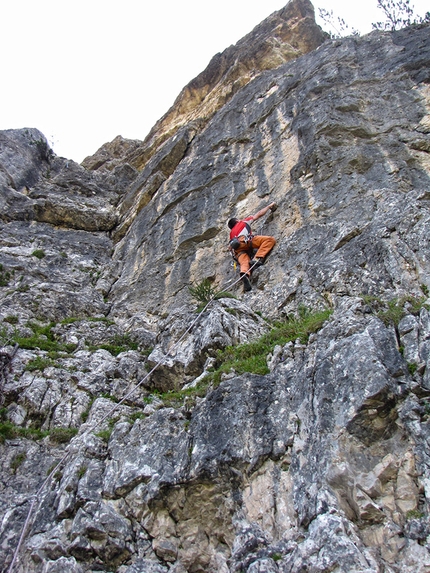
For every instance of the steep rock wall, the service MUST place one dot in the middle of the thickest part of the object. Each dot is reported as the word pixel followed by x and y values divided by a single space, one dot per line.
pixel 338 139
pixel 283 36
pixel 321 465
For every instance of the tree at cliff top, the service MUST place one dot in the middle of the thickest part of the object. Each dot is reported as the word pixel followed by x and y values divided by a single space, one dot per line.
pixel 398 14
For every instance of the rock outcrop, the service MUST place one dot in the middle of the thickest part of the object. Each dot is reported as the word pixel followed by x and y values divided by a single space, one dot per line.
pixel 283 36
pixel 132 438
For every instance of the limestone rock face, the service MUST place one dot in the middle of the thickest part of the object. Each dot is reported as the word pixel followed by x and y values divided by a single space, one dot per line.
pixel 142 448
pixel 282 37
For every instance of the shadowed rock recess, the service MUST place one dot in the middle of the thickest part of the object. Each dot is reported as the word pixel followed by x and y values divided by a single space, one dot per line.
pixel 315 456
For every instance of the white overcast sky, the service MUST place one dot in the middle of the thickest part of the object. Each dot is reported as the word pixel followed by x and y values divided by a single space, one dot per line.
pixel 83 72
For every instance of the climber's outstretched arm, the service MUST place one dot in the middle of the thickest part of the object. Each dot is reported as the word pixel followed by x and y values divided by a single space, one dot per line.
pixel 263 211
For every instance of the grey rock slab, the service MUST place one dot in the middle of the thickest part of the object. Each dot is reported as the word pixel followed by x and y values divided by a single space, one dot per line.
pixel 154 451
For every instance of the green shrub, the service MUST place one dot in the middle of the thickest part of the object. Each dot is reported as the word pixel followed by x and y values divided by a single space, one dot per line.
pixel 38 253
pixel 414 514
pixel 11 319
pixel 40 363
pixel 104 435
pixel 4 276
pixel 412 367
pixel 17 461
pixel 42 338
pixel 204 292
pixel 119 343
pixel 9 431
pixel 391 312
pixel 62 435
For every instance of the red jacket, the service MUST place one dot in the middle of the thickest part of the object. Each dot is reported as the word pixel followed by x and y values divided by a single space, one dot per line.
pixel 242 228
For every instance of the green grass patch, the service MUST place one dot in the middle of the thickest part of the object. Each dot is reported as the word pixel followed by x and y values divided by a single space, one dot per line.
pixel 86 413
pixel 82 471
pixel 414 514
pixel 412 367
pixel 109 397
pixel 175 398
pixel 40 363
pixel 120 343
pixel 391 312
pixel 252 357
pixel 5 276
pixel 104 319
pixel 42 338
pixel 62 435
pixel 39 254
pixel 17 461
pixel 72 319
pixel 105 435
pixel 136 416
pixel 11 319
pixel 8 431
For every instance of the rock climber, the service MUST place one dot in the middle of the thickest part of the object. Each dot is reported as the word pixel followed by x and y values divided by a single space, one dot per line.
pixel 243 242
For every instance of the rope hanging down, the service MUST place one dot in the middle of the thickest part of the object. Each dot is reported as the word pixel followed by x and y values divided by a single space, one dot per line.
pixel 105 417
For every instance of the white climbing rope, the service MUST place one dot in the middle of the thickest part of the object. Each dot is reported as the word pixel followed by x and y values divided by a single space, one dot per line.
pixel 98 423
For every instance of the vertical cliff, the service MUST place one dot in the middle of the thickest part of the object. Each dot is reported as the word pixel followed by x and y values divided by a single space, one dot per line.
pixel 284 430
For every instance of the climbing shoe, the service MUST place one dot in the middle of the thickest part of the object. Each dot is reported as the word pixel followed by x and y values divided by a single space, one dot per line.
pixel 255 263
pixel 246 284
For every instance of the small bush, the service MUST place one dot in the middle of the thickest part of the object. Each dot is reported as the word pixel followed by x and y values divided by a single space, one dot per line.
pixel 39 363
pixel 9 431
pixel 414 514
pixel 4 276
pixel 204 292
pixel 391 312
pixel 17 461
pixel 412 367
pixel 398 14
pixel 62 435
pixel 120 343
pixel 104 435
pixel 11 319
pixel 38 253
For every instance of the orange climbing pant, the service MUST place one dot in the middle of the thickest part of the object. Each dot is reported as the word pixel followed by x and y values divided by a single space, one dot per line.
pixel 263 243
